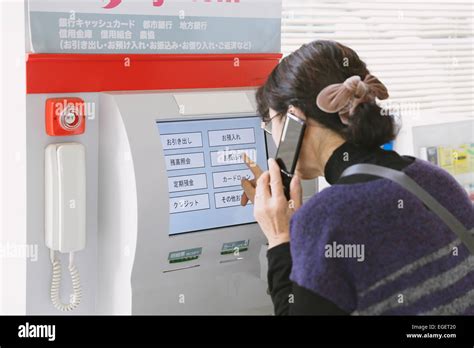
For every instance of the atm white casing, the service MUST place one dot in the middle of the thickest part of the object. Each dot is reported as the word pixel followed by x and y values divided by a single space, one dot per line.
pixel 135 276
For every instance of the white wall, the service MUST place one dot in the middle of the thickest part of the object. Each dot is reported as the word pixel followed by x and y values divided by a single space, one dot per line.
pixel 12 154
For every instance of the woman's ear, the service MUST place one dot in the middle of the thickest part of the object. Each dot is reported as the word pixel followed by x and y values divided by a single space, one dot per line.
pixel 300 114
pixel 297 112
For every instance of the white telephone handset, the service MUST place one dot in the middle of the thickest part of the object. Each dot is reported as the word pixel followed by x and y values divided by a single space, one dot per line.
pixel 65 213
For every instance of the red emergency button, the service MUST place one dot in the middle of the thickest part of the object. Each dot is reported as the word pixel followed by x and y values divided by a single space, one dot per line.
pixel 65 116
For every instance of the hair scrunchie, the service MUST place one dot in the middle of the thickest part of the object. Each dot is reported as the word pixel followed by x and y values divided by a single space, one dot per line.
pixel 345 97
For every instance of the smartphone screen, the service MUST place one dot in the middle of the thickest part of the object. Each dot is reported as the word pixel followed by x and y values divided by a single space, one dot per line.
pixel 289 148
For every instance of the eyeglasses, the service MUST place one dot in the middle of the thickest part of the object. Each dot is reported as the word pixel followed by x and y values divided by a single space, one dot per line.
pixel 267 125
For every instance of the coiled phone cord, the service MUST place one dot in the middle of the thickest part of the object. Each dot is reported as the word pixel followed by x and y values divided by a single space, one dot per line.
pixel 56 284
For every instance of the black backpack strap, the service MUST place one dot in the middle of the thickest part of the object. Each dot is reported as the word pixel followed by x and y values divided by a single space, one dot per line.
pixel 466 236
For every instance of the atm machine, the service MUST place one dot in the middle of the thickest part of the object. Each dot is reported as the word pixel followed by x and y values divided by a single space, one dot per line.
pixel 173 237
pixel 133 156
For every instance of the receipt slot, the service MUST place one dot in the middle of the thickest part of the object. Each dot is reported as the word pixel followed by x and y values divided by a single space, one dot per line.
pixel 173 237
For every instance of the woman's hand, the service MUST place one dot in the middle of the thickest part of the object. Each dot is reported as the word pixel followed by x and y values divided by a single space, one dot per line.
pixel 271 209
pixel 249 185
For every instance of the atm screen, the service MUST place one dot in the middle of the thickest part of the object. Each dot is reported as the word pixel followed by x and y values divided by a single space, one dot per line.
pixel 205 166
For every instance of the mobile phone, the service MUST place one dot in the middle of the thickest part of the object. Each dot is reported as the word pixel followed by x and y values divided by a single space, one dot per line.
pixel 289 149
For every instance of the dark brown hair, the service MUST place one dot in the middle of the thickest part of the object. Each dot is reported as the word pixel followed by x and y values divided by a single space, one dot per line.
pixel 299 78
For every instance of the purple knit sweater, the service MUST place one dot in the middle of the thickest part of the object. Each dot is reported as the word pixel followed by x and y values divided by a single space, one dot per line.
pixel 412 263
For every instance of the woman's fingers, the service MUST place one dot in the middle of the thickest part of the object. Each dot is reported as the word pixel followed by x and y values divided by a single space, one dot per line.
pixel 249 185
pixel 262 191
pixel 296 192
pixel 256 170
pixel 244 198
pixel 275 179
pixel 249 191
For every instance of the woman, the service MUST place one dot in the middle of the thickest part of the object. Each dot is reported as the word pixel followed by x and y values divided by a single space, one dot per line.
pixel 364 245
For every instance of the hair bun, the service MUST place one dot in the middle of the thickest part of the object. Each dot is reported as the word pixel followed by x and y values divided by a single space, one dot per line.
pixel 370 127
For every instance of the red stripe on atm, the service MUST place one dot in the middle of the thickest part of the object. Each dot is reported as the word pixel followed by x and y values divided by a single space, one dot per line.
pixel 73 73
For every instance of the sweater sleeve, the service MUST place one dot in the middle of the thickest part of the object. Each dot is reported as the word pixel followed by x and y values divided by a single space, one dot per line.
pixel 289 298
pixel 314 229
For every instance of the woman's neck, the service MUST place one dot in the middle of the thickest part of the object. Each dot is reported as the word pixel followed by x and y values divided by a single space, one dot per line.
pixel 324 146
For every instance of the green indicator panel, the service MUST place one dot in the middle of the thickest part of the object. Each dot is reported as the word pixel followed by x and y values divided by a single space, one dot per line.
pixel 232 247
pixel 184 255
